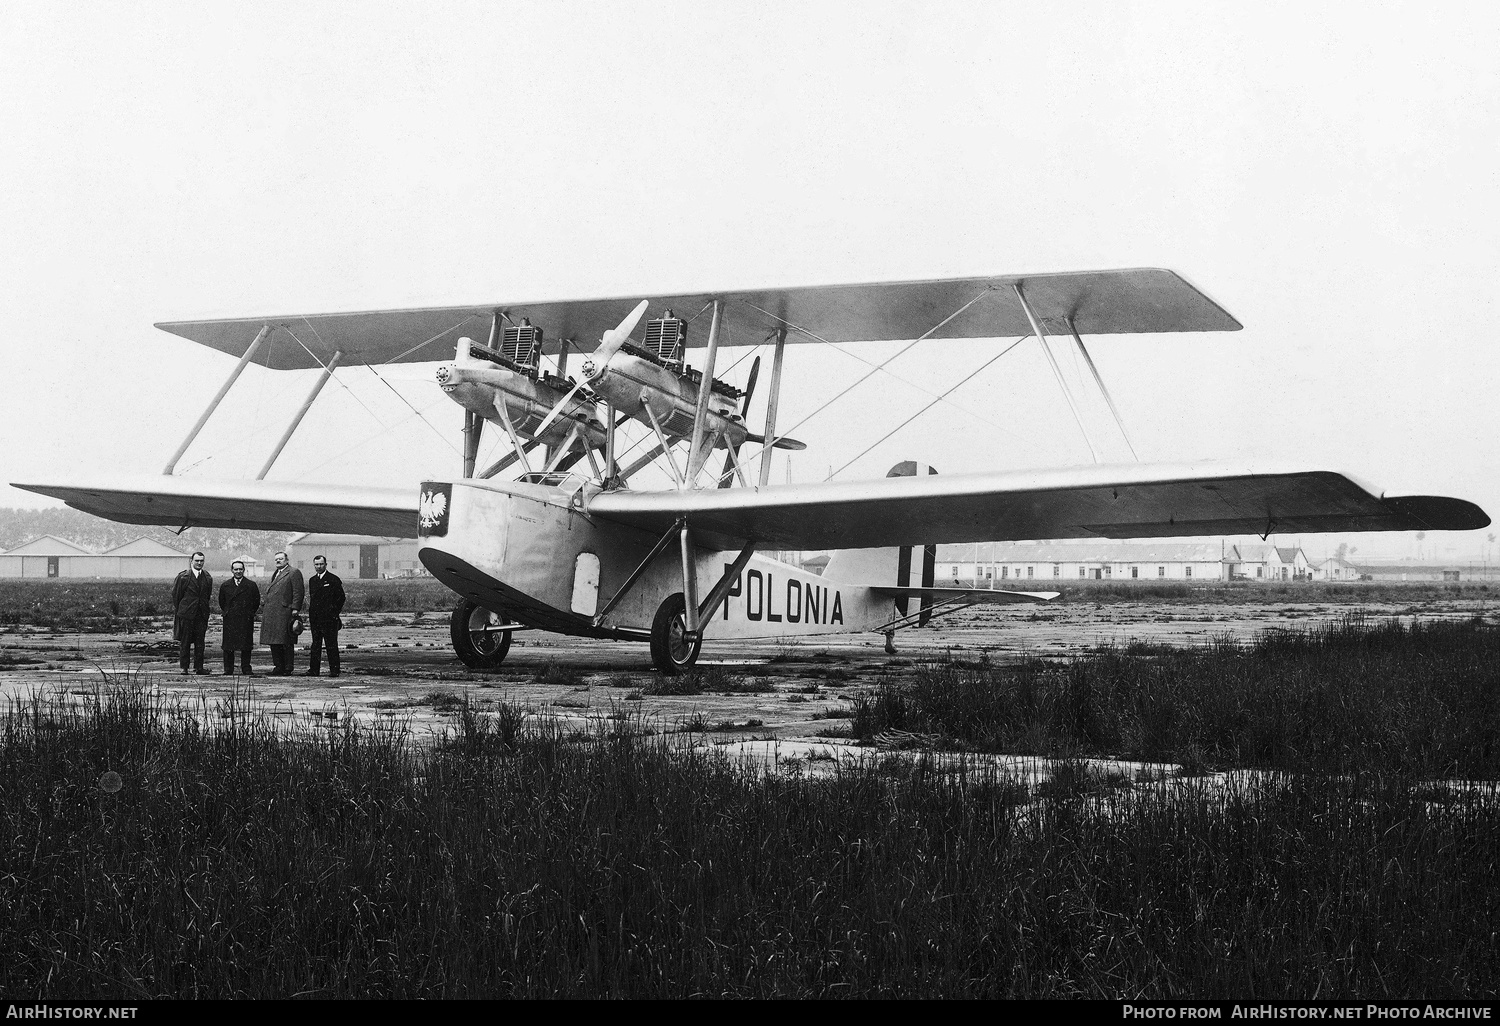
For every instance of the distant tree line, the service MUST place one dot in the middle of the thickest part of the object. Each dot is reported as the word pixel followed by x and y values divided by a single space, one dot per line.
pixel 18 526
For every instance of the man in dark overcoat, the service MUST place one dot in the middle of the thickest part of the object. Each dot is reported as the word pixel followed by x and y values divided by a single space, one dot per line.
pixel 239 598
pixel 192 597
pixel 325 600
pixel 283 599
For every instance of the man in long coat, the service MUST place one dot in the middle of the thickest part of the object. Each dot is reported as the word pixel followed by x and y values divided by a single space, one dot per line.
pixel 283 598
pixel 239 598
pixel 325 600
pixel 192 595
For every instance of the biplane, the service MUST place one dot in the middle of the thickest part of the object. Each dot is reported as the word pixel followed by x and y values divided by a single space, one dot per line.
pixel 554 537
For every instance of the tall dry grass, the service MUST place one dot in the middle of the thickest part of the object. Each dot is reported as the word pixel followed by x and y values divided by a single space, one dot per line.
pixel 238 860
pixel 1350 697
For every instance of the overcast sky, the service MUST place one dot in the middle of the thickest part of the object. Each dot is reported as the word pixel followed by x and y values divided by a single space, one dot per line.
pixel 1326 173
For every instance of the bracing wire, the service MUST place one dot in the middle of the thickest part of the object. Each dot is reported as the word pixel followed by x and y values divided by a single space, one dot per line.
pixel 769 443
pixel 434 338
pixel 353 395
pixel 837 347
pixel 929 406
pixel 252 435
pixel 366 441
pixel 409 406
pixel 338 380
pixel 387 384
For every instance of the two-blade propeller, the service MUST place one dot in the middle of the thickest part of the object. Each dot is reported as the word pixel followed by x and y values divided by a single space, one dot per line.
pixel 750 388
pixel 594 366
pixel 782 442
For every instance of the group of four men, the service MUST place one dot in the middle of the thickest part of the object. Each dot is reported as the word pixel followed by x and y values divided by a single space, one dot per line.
pixel 280 615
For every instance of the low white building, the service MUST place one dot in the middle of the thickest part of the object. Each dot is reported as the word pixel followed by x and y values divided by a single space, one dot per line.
pixel 1015 564
pixel 50 556
pixel 358 556
pixel 1269 563
pixel 1335 569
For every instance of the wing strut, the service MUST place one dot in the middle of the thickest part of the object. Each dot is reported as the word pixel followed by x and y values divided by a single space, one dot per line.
pixel 473 422
pixel 473 429
pixel 698 453
pixel 772 402
pixel 507 460
pixel 1119 422
pixel 517 449
pixel 689 582
pixel 609 444
pixel 1036 327
pixel 214 405
pixel 635 575
pixel 646 460
pixel 664 445
pixel 301 412
pixel 717 594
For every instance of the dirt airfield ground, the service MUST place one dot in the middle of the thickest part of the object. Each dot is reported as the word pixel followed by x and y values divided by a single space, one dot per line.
pixel 399 668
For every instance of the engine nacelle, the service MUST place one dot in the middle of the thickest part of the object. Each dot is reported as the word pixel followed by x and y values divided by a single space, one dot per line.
pixel 479 386
pixel 631 383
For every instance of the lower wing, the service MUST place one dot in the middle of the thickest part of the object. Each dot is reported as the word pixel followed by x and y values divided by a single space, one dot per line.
pixel 1132 501
pixel 1129 501
pixel 251 505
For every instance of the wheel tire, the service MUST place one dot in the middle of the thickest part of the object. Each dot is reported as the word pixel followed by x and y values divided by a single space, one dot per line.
pixel 671 650
pixel 477 647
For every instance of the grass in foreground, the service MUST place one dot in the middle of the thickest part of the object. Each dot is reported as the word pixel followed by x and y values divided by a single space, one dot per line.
pixel 513 860
pixel 68 604
pixel 1350 697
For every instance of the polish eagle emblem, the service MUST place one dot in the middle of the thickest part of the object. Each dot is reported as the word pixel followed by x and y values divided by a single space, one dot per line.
pixel 431 509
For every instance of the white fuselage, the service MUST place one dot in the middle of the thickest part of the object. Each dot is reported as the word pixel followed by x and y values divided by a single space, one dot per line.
pixel 535 552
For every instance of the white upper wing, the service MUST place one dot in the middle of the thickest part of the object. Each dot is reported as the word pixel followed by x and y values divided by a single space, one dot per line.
pixel 1131 301
pixel 1130 501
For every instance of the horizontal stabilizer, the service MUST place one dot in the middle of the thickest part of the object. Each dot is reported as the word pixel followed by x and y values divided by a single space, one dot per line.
pixel 976 596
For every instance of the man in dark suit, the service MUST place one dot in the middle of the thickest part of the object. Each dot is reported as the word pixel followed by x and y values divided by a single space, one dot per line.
pixel 239 598
pixel 283 602
pixel 192 595
pixel 325 600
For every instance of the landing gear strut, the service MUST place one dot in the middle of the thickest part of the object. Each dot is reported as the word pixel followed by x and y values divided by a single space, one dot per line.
pixel 673 649
pixel 479 645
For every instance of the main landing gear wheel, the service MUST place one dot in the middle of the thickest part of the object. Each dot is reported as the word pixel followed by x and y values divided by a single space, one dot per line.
pixel 673 649
pixel 478 644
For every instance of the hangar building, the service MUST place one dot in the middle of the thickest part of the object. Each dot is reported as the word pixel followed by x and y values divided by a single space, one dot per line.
pixel 354 555
pixel 50 556
pixel 1012 564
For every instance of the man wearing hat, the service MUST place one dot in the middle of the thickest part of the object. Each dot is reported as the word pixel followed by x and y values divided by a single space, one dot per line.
pixel 283 602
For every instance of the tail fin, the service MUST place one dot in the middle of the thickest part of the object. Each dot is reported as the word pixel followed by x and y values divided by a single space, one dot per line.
pixel 889 566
